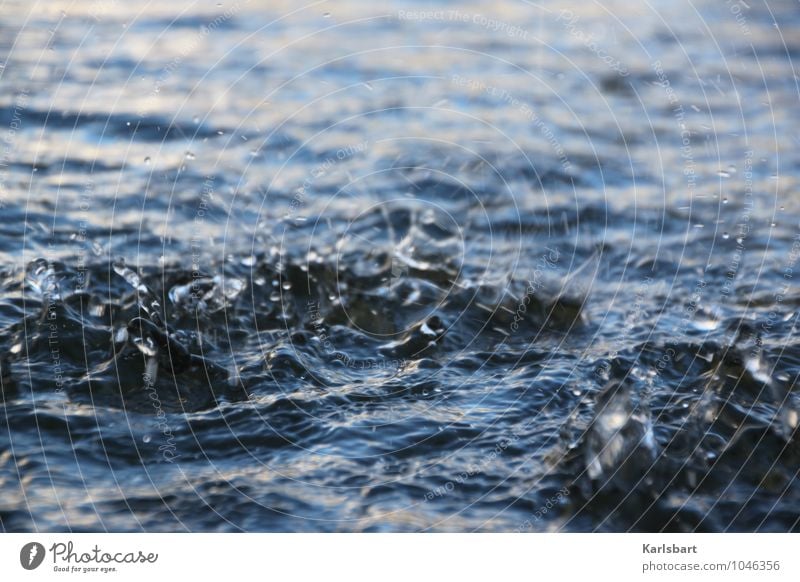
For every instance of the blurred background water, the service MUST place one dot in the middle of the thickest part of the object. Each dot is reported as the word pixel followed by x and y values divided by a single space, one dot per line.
pixel 350 266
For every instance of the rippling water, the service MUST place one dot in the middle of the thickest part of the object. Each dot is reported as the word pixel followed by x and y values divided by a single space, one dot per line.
pixel 392 267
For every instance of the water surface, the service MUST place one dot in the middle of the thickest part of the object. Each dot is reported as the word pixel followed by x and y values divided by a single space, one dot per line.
pixel 353 266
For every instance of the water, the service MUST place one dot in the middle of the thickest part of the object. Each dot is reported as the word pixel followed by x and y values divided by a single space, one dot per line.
pixel 364 267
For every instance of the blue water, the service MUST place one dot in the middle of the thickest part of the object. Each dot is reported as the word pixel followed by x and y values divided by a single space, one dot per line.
pixel 367 266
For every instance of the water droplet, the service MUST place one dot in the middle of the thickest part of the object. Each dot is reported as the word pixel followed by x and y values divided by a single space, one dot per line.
pixel 146 438
pixel 286 286
pixel 326 15
pixel 707 323
pixel 725 200
pixel 726 236
pixel 146 346
pixel 190 155
pixel 147 160
pixel 196 119
pixel 220 132
pixel 121 335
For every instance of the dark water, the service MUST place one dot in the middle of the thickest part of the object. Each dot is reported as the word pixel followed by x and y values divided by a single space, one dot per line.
pixel 368 267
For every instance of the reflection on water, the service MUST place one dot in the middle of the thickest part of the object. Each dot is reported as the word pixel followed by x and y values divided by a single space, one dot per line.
pixel 387 267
